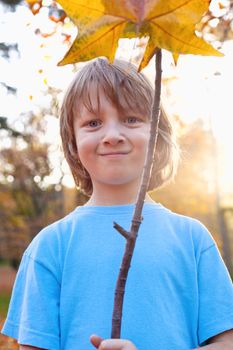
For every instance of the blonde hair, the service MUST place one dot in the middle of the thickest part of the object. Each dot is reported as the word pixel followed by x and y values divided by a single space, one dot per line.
pixel 126 89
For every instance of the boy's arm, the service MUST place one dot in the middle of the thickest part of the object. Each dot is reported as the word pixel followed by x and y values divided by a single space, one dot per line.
pixel 222 341
pixel 28 347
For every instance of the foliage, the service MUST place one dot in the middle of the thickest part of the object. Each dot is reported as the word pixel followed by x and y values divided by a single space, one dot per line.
pixel 217 20
pixel 169 25
pixel 4 302
pixel 11 4
pixel 27 202
pixel 7 343
pixel 6 49
pixel 194 191
pixel 218 24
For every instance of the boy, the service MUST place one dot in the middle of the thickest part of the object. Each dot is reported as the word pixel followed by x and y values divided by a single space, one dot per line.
pixel 178 293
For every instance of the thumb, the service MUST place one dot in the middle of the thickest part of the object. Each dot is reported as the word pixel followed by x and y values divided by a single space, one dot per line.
pixel 95 340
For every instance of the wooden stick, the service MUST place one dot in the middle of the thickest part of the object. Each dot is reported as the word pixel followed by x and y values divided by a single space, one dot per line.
pixel 137 218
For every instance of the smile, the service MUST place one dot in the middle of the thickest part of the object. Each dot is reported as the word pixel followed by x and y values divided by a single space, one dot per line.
pixel 114 154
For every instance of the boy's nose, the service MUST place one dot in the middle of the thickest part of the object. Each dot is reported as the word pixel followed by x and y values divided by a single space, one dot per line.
pixel 113 135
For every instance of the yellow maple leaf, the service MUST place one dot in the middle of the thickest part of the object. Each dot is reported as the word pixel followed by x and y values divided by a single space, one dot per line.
pixel 169 25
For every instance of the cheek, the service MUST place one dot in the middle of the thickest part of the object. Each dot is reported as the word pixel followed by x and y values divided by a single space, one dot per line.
pixel 86 147
pixel 142 146
pixel 143 140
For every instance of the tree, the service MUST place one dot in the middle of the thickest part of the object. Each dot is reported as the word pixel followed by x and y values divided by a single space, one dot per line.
pixel 217 23
pixel 195 191
pixel 7 49
pixel 28 202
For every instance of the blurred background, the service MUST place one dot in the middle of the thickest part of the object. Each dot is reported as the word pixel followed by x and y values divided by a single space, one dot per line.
pixel 36 187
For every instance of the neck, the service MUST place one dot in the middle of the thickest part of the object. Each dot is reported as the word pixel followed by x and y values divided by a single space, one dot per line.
pixel 117 196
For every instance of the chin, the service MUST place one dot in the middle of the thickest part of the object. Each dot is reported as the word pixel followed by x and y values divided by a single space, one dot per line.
pixel 121 182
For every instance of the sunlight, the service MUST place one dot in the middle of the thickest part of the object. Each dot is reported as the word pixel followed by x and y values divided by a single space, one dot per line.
pixel 200 88
pixel 197 88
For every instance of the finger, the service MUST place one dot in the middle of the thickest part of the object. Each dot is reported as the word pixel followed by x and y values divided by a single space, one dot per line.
pixel 95 340
pixel 116 344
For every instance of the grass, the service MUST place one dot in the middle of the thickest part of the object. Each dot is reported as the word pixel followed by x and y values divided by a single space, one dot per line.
pixel 6 343
pixel 4 263
pixel 4 302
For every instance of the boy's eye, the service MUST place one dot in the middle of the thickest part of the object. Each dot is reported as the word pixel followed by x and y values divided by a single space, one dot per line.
pixel 94 123
pixel 131 120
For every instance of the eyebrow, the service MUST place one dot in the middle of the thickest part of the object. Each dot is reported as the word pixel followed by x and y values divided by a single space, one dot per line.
pixel 136 112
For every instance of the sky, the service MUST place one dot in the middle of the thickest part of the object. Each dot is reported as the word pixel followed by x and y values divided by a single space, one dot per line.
pixel 199 87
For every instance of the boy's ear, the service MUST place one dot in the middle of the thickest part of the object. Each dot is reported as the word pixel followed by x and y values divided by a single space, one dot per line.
pixel 73 150
pixel 70 146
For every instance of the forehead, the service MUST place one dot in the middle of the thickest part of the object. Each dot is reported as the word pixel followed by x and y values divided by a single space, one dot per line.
pixel 99 102
pixel 123 95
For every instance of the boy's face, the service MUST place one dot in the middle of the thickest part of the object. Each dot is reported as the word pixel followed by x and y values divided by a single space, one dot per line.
pixel 111 144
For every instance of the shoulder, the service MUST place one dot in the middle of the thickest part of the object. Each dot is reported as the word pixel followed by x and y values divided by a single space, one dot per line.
pixel 49 246
pixel 198 231
pixel 186 228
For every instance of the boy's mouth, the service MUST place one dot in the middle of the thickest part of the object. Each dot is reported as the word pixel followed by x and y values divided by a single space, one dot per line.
pixel 113 153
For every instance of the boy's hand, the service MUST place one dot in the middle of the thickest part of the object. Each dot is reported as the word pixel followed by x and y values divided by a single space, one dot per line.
pixel 111 344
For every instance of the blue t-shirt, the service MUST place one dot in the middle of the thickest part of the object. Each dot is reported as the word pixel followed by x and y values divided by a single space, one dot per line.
pixel 178 292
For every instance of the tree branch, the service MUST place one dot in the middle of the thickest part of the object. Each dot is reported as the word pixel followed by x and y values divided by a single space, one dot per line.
pixel 137 218
pixel 121 230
